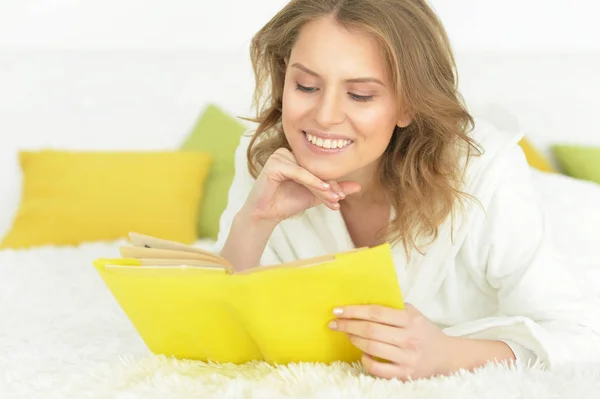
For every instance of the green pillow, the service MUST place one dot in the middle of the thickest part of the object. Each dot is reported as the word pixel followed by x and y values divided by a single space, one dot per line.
pixel 217 133
pixel 581 162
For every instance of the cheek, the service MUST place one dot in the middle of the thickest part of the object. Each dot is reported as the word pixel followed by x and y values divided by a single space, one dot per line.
pixel 375 123
pixel 296 104
pixel 291 108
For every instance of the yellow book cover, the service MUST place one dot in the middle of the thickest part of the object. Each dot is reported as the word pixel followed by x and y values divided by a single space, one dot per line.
pixel 190 304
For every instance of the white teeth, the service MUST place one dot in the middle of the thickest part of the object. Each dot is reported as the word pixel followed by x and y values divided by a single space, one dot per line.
pixel 327 143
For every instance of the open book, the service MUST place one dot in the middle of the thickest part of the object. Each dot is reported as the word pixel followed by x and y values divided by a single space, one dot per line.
pixel 189 303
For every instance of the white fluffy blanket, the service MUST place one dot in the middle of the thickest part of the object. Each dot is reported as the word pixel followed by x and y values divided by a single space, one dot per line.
pixel 62 335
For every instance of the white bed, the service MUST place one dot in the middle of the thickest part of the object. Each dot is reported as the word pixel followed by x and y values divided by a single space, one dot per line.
pixel 62 335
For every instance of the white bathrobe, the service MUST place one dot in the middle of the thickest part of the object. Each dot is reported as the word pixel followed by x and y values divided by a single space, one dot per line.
pixel 499 279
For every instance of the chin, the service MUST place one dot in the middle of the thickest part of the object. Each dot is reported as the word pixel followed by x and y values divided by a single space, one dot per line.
pixel 324 169
pixel 326 173
pixel 325 164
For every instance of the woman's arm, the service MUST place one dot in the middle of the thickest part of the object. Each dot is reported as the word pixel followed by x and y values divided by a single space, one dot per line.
pixel 242 240
pixel 246 242
pixel 541 306
pixel 412 345
pixel 469 353
pixel 283 189
pixel 542 314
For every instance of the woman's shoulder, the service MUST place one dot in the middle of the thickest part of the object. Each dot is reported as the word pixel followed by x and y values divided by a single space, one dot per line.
pixel 241 159
pixel 497 152
pixel 241 152
pixel 492 140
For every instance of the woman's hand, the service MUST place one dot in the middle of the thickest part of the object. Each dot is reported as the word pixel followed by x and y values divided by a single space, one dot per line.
pixel 284 189
pixel 412 344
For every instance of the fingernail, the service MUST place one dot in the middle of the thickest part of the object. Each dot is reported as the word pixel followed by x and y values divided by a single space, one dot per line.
pixel 333 325
pixel 341 195
pixel 326 185
pixel 336 195
pixel 338 311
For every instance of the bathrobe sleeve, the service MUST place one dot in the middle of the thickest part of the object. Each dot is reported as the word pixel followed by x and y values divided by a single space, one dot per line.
pixel 238 193
pixel 543 313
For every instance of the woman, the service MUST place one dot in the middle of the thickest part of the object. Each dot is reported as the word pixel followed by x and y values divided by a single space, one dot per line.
pixel 362 138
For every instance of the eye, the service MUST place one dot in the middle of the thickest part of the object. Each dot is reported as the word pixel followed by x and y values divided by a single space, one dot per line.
pixel 304 88
pixel 360 98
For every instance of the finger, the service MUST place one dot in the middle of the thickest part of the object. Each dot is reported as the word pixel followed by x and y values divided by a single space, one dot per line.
pixel 382 369
pixel 291 171
pixel 333 205
pixel 410 308
pixel 302 176
pixel 327 197
pixel 330 204
pixel 349 187
pixel 376 313
pixel 369 330
pixel 286 166
pixel 341 189
pixel 380 349
pixel 337 190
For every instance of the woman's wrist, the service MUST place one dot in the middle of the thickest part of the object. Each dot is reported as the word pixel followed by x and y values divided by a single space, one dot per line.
pixel 247 240
pixel 468 353
pixel 258 229
pixel 248 219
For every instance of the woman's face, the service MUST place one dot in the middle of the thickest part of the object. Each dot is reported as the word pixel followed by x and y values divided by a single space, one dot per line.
pixel 339 111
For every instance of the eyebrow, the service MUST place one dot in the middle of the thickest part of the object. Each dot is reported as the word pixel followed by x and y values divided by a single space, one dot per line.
pixel 354 80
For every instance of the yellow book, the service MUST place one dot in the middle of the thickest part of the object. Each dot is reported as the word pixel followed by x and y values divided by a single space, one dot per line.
pixel 190 304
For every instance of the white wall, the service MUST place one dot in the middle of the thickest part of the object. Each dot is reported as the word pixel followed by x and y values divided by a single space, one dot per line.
pixel 522 25
pixel 134 74
pixel 515 25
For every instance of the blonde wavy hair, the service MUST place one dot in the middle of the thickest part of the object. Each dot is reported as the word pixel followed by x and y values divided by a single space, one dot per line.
pixel 420 168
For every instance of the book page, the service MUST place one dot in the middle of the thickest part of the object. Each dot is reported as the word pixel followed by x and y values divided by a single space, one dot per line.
pixel 144 241
pixel 319 260
pixel 141 240
pixel 156 253
pixel 179 262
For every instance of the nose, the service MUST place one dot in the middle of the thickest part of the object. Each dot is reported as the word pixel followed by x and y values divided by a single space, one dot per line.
pixel 329 110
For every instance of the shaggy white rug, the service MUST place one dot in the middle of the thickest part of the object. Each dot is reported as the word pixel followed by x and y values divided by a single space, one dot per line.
pixel 62 335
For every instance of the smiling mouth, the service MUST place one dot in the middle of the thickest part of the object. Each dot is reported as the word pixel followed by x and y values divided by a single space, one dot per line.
pixel 327 144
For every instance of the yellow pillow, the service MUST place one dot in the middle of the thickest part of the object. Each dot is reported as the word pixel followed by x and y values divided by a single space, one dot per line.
pixel 535 158
pixel 74 197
